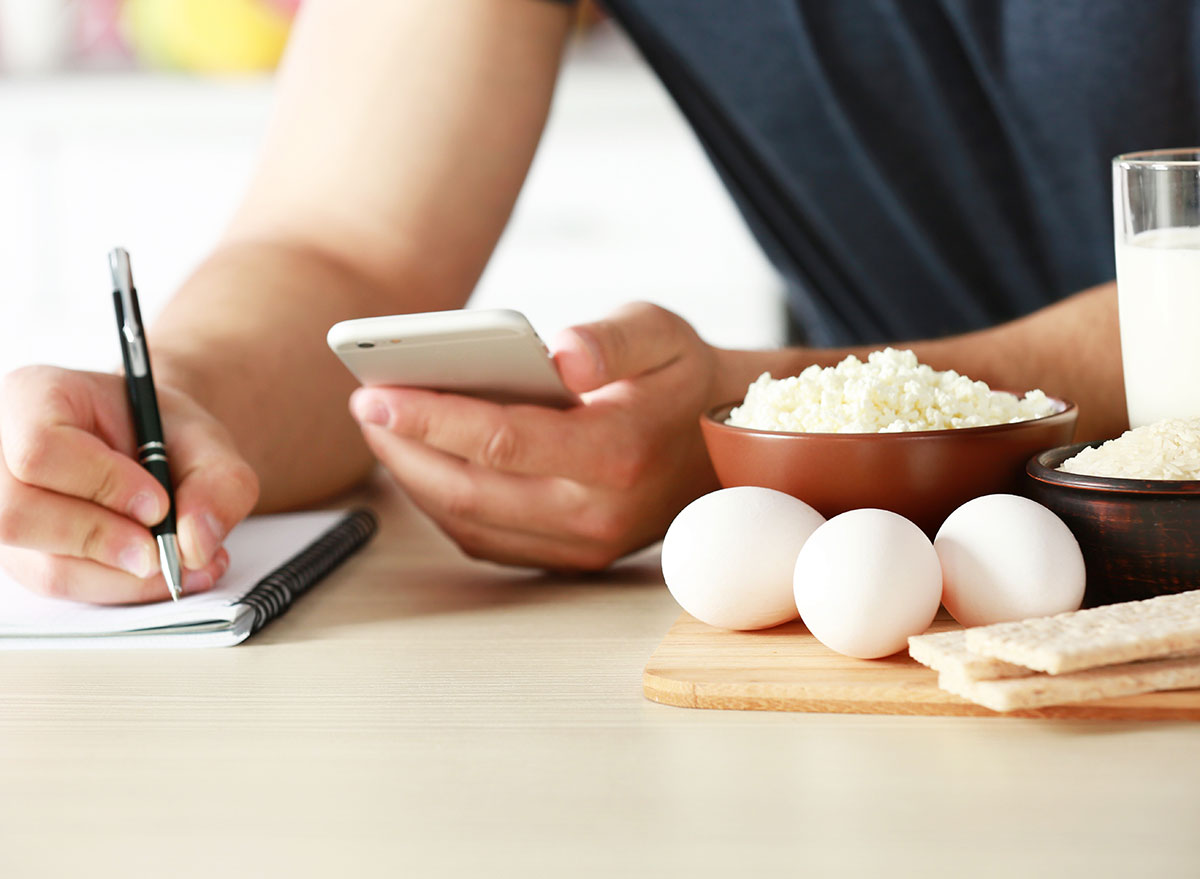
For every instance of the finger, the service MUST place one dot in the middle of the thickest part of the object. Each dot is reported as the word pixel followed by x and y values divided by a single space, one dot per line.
pixel 509 520
pixel 214 490
pixel 506 547
pixel 584 444
pixel 459 490
pixel 87 581
pixel 37 519
pixel 637 338
pixel 50 452
pixel 93 401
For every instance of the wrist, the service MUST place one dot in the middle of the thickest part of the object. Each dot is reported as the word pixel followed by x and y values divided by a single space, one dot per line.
pixel 736 369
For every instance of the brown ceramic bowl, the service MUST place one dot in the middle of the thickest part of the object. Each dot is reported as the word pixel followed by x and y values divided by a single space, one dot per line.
pixel 922 475
pixel 1140 537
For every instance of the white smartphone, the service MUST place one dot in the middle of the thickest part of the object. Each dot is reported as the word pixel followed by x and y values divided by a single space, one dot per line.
pixel 490 353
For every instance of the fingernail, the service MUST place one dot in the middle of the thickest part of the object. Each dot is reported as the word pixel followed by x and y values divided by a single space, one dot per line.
pixel 197 581
pixel 137 560
pixel 144 508
pixel 369 411
pixel 592 347
pixel 204 536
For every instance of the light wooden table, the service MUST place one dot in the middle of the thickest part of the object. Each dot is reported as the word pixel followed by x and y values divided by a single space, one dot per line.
pixel 419 714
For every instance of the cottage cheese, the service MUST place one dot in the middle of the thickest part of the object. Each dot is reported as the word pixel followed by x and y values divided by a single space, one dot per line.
pixel 1167 449
pixel 892 392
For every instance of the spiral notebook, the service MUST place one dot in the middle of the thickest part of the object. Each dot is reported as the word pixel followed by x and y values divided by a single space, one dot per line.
pixel 273 561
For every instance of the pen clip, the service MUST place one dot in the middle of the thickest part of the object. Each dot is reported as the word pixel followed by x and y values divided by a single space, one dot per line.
pixel 131 330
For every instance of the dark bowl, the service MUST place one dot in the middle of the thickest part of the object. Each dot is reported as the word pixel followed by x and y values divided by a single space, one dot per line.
pixel 922 475
pixel 1140 537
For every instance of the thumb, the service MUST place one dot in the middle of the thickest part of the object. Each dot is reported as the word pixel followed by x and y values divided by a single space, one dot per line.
pixel 215 489
pixel 636 339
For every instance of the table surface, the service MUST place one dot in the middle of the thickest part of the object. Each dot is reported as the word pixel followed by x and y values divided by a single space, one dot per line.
pixel 422 714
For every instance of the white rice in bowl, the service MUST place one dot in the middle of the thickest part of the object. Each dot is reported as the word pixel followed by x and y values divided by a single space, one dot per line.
pixel 1167 449
pixel 890 393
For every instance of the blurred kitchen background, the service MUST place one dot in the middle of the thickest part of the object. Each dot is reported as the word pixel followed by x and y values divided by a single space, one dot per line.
pixel 136 122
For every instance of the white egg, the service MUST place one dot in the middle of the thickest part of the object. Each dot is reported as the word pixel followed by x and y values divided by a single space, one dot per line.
pixel 1006 558
pixel 728 556
pixel 865 581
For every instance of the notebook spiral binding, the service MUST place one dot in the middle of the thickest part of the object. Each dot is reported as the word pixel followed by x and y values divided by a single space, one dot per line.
pixel 272 595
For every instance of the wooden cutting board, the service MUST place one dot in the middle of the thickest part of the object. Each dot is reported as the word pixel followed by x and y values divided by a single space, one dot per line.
pixel 787 669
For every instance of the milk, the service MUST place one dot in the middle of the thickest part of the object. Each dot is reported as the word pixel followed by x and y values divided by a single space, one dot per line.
pixel 1158 288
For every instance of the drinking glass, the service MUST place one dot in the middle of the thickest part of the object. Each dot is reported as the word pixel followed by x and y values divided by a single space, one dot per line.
pixel 1156 212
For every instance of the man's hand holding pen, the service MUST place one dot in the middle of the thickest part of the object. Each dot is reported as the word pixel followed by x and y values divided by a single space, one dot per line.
pixel 76 508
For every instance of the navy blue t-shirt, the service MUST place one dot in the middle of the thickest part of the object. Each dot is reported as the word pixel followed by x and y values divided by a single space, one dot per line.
pixel 918 168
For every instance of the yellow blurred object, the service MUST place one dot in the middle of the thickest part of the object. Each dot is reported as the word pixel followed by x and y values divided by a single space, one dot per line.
pixel 206 36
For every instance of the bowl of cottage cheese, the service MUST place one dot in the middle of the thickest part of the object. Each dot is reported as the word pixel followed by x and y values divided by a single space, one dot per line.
pixel 888 432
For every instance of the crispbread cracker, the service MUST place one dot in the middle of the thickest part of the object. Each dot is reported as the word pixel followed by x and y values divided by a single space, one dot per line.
pixel 947 652
pixel 1036 691
pixel 1108 635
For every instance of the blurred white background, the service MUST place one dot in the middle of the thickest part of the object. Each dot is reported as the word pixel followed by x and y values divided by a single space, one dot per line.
pixel 621 204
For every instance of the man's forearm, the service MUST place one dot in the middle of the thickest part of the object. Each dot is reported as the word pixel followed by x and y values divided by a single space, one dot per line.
pixel 398 143
pixel 245 337
pixel 1070 349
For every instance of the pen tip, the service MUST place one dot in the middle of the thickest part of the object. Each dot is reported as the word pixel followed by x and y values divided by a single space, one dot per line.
pixel 168 556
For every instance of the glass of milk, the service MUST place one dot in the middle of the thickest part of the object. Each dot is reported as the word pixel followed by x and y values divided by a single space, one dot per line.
pixel 1156 211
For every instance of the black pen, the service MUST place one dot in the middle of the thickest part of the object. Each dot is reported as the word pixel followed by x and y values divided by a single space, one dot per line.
pixel 152 450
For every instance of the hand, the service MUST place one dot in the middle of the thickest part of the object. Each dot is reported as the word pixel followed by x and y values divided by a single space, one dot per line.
pixel 574 489
pixel 76 508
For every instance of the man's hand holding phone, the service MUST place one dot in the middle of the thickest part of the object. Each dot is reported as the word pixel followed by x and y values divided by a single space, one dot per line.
pixel 571 489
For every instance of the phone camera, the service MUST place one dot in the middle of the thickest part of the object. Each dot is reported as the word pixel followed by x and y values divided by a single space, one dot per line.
pixel 365 344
